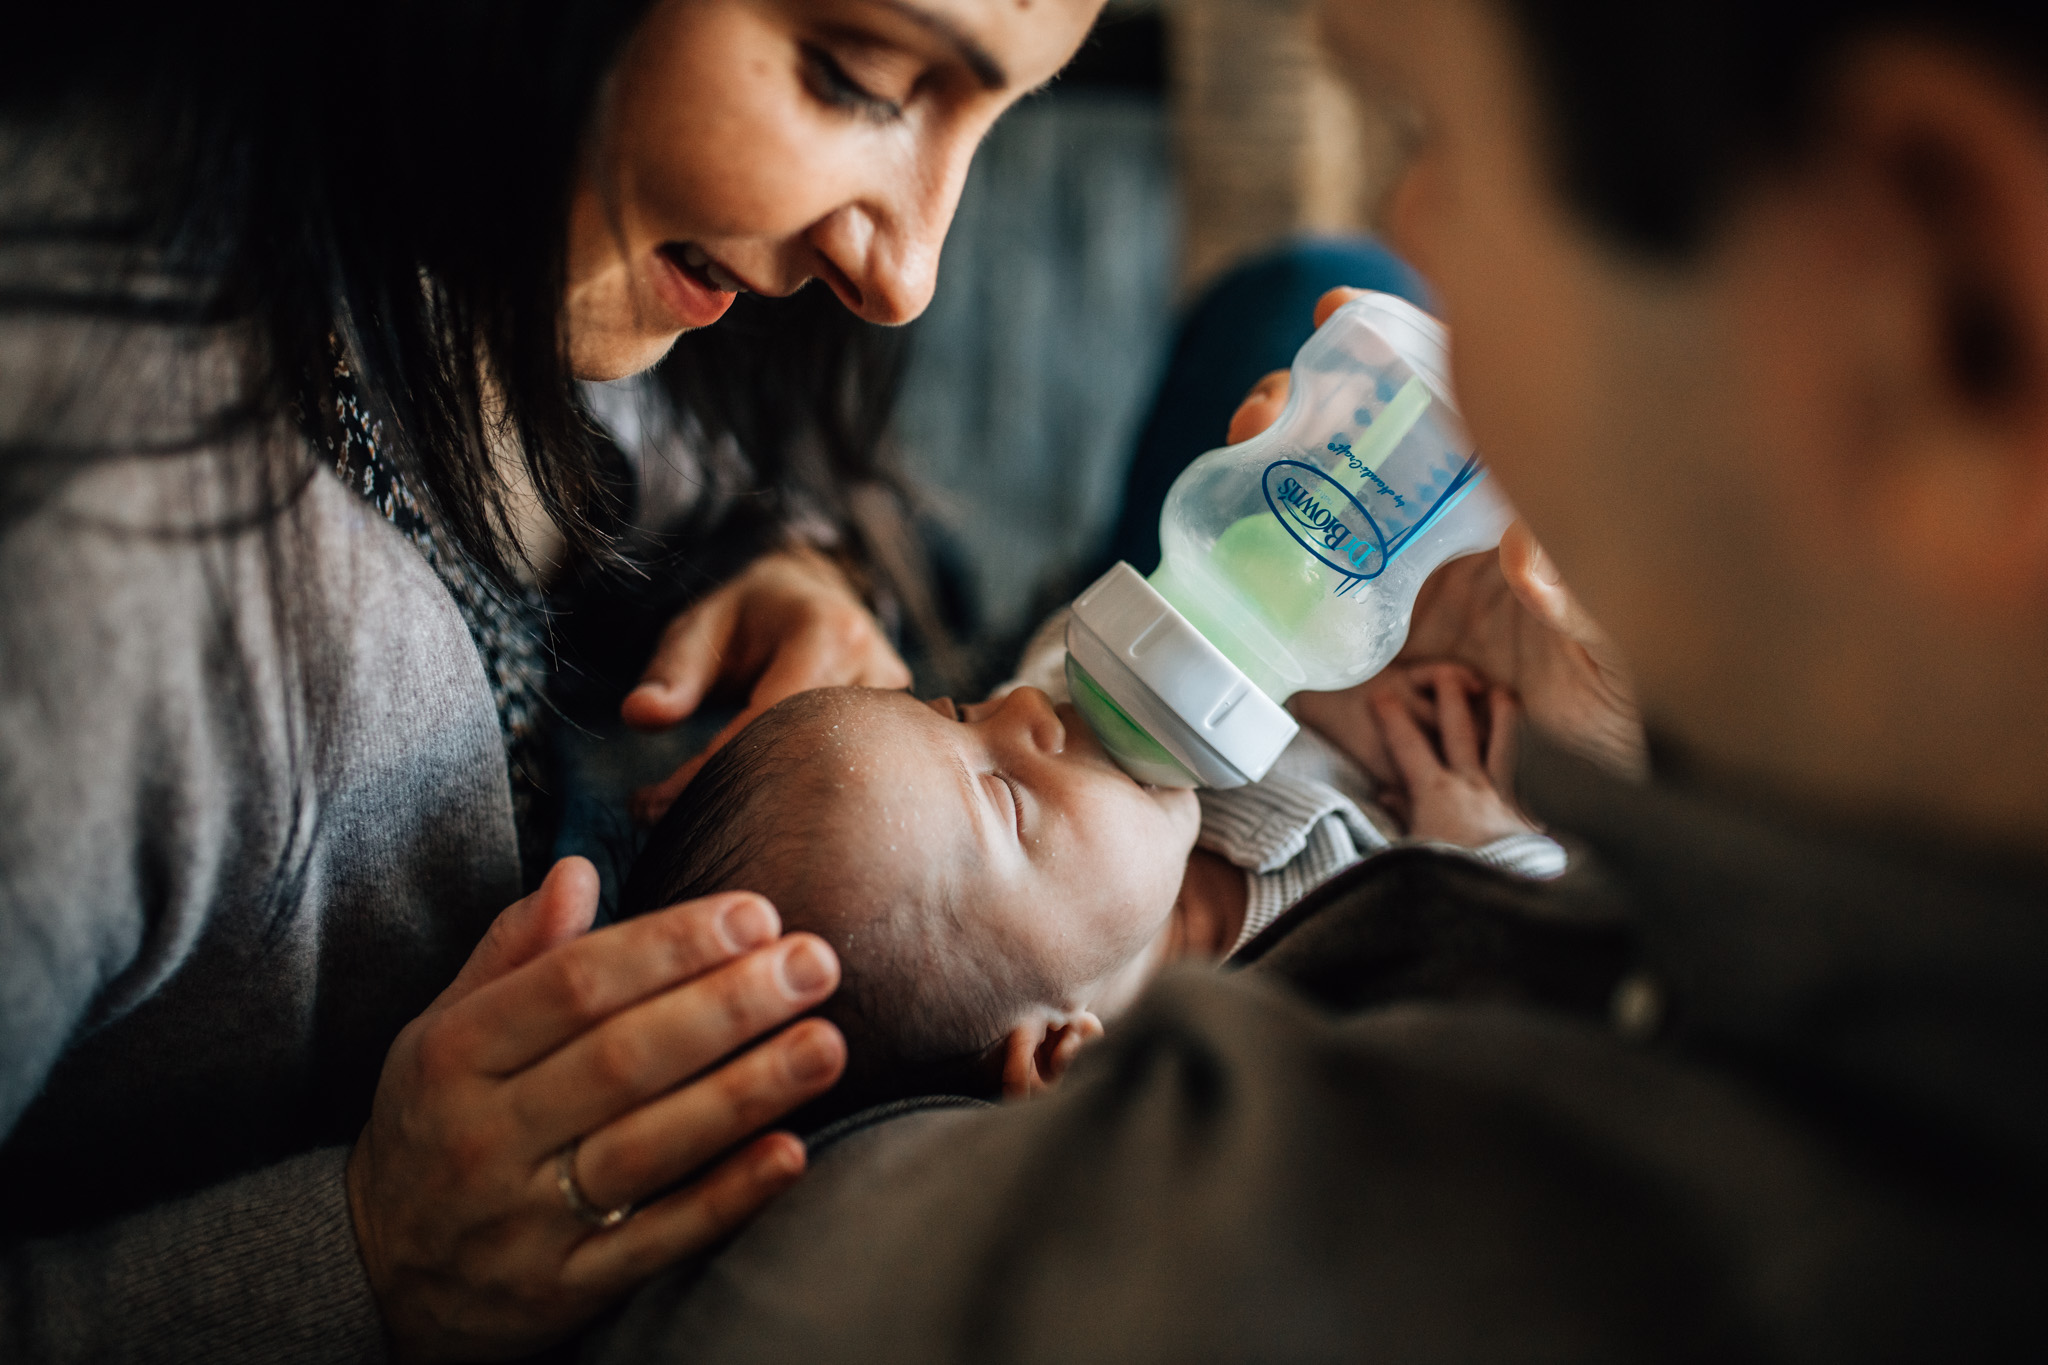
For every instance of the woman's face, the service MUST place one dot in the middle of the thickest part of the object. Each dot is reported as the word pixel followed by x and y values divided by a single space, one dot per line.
pixel 759 144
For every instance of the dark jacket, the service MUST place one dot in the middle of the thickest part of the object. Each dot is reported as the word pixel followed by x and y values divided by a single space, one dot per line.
pixel 1740 1088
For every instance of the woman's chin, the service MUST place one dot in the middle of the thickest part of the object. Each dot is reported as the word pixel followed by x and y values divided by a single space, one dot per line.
pixel 602 355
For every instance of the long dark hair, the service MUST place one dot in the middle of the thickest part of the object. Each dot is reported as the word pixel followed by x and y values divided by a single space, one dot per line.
pixel 386 183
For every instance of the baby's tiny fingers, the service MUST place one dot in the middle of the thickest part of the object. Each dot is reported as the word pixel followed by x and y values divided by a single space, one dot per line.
pixel 1454 722
pixel 1442 676
pixel 1413 754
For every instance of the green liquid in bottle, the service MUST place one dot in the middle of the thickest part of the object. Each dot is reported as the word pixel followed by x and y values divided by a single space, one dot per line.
pixel 1270 570
pixel 1248 596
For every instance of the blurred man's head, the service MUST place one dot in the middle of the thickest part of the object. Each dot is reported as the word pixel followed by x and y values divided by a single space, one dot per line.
pixel 1751 316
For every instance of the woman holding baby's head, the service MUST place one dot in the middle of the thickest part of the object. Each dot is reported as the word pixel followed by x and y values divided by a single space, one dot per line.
pixel 263 730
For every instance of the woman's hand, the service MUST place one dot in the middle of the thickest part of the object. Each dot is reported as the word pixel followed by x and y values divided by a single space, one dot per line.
pixel 606 1046
pixel 790 622
pixel 1507 616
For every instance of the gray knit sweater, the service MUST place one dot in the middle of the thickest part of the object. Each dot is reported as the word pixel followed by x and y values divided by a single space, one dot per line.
pixel 245 835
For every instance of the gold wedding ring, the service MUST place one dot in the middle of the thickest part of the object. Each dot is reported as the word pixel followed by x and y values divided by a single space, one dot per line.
pixel 572 1193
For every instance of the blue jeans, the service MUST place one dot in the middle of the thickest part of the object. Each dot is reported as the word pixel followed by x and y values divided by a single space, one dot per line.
pixel 1247 324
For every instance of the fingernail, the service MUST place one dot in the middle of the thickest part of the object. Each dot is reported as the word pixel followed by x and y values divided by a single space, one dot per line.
pixel 747 924
pixel 807 968
pixel 814 1056
pixel 1542 569
pixel 785 1162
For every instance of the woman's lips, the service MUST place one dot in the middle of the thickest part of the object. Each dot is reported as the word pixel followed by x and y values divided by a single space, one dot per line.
pixel 697 260
pixel 695 289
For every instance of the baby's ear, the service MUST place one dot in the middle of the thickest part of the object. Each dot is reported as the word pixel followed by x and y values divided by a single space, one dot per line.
pixel 1039 1050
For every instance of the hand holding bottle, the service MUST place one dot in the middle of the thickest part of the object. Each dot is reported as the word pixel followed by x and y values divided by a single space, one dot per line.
pixel 1290 560
pixel 1509 617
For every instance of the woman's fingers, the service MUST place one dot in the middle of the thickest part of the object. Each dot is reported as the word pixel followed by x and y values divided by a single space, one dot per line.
pixel 453 1185
pixel 789 623
pixel 645 1050
pixel 651 802
pixel 791 616
pixel 560 909
pixel 523 1017
pixel 663 1141
pixel 824 654
pixel 843 648
pixel 608 1263
pixel 687 662
pixel 800 663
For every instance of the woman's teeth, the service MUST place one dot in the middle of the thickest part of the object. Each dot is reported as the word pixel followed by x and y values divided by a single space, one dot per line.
pixel 694 257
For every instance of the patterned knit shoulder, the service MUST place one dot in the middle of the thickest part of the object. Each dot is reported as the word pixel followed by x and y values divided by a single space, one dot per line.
pixel 509 627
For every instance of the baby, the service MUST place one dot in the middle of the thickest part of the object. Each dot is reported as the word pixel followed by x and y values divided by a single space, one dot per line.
pixel 997 888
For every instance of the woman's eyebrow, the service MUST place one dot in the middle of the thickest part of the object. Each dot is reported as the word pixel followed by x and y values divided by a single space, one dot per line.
pixel 986 68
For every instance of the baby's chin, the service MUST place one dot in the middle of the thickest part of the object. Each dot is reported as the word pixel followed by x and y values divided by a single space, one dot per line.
pixel 1182 806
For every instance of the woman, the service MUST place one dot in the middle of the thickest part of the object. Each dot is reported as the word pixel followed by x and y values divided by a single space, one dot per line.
pixel 293 303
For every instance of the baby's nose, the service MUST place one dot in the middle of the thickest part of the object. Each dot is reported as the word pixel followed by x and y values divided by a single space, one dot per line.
pixel 1032 712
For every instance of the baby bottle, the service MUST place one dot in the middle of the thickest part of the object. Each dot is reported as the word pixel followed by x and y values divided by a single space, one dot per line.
pixel 1291 560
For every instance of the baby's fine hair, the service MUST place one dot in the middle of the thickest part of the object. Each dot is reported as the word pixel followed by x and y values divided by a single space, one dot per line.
pixel 750 820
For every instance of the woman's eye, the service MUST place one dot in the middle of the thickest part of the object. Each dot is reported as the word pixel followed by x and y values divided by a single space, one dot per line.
pixel 830 83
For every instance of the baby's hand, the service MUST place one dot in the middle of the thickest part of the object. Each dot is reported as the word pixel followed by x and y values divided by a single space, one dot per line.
pixel 1458 794
pixel 1349 719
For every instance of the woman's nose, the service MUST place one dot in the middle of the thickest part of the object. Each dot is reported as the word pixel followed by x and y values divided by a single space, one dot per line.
pixel 885 246
pixel 886 271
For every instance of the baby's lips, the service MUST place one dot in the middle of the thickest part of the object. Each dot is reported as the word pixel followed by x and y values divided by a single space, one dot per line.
pixel 1072 724
pixel 1089 745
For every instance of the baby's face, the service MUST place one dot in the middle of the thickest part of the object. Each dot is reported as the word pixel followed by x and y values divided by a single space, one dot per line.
pixel 1009 812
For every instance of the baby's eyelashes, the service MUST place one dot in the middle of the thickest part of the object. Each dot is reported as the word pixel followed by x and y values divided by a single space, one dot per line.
pixel 1015 799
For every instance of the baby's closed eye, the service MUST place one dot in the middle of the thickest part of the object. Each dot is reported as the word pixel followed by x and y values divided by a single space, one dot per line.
pixel 1011 796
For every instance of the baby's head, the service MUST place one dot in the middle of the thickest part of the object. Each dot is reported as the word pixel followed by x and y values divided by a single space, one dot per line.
pixel 993 884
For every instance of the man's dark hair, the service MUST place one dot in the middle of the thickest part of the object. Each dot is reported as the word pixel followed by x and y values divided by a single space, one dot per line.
pixel 1658 112
pixel 748 821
